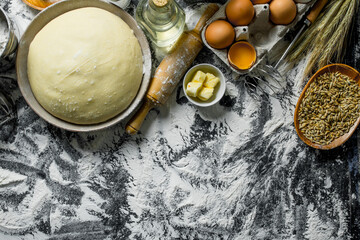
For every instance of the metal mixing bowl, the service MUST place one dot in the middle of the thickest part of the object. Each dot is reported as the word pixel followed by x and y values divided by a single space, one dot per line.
pixel 8 54
pixel 45 17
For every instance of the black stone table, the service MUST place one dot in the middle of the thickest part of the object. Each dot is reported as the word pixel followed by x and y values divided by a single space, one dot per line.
pixel 236 170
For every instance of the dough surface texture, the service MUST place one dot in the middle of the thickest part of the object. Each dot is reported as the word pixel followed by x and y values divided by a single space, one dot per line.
pixel 85 66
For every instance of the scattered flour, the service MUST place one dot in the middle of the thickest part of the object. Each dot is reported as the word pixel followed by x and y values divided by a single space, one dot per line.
pixel 8 178
pixel 179 178
pixel 56 175
pixel 327 182
pixel 317 228
pixel 21 218
pixel 20 15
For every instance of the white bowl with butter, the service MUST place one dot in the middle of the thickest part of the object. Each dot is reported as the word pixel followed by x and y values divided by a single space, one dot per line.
pixel 200 88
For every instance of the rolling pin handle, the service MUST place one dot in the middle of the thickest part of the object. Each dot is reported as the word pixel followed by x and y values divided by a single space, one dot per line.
pixel 209 12
pixel 160 87
pixel 136 121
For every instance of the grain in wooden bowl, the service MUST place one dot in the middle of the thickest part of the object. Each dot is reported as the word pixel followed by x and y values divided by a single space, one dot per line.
pixel 328 109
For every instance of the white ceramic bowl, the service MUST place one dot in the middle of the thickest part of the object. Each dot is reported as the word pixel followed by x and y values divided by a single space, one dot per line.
pixel 219 90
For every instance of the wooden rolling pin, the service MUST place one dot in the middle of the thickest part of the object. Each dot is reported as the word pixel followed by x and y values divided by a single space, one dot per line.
pixel 171 69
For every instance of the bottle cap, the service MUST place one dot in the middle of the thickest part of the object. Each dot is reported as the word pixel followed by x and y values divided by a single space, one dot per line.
pixel 160 3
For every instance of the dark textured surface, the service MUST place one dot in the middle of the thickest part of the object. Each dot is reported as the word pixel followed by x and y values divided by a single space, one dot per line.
pixel 236 170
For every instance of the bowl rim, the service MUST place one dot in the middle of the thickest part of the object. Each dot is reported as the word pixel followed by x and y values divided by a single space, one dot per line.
pixel 221 90
pixel 10 31
pixel 45 17
pixel 346 70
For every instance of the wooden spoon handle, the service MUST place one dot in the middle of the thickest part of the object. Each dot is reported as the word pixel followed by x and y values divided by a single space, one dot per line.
pixel 316 9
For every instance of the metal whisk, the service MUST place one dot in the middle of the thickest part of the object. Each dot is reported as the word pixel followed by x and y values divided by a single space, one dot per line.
pixel 265 81
pixel 7 112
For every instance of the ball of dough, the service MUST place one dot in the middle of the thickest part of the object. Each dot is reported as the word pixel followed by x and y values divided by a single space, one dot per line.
pixel 85 66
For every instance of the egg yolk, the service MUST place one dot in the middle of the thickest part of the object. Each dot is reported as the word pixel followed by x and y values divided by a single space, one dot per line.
pixel 242 55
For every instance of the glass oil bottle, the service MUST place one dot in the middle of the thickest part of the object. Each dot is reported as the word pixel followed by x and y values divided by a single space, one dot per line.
pixel 163 21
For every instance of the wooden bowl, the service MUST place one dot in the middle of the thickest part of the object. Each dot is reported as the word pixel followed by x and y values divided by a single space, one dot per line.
pixel 39 4
pixel 343 69
pixel 45 17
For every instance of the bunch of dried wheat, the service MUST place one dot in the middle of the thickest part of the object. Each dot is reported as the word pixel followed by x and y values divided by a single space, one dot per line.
pixel 325 40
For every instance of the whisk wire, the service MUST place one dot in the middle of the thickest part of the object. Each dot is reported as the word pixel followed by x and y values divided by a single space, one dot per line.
pixel 7 112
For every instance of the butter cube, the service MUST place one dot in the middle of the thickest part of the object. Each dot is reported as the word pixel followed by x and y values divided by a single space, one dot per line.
pixel 211 81
pixel 205 93
pixel 210 75
pixel 199 77
pixel 193 88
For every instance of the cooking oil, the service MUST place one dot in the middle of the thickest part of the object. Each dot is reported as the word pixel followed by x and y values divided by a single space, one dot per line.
pixel 163 21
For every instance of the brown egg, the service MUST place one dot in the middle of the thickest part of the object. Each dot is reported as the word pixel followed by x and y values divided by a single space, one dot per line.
pixel 240 12
pixel 220 34
pixel 282 12
pixel 260 1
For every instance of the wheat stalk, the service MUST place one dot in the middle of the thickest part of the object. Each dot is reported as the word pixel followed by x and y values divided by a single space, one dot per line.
pixel 326 38
pixel 330 42
pixel 336 52
pixel 304 43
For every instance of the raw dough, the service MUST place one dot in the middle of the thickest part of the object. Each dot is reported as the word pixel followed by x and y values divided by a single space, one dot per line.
pixel 85 66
